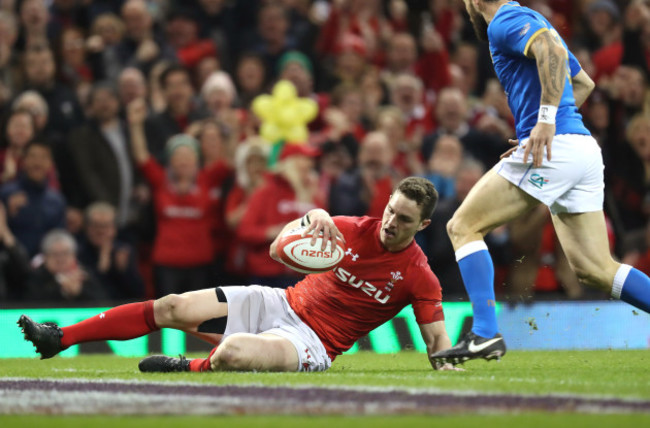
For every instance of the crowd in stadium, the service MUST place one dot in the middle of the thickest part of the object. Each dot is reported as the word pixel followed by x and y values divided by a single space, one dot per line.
pixel 131 163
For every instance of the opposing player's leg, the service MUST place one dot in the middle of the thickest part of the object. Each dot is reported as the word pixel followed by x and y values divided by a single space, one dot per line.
pixel 584 241
pixel 492 202
pixel 185 312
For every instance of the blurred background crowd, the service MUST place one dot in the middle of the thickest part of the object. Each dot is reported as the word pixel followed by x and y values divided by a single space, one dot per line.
pixel 131 164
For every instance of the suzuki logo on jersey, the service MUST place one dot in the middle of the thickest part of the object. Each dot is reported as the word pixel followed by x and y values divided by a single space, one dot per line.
pixel 354 256
pixel 537 180
pixel 364 286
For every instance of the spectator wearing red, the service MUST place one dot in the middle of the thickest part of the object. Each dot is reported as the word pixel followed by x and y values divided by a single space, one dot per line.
pixel 349 99
pixel 219 96
pixel 363 19
pixel 432 66
pixel 350 61
pixel 406 93
pixel 406 158
pixel 288 194
pixel 216 148
pixel 295 67
pixel 77 68
pixel 183 250
pixel 183 36
pixel 366 189
pixel 251 168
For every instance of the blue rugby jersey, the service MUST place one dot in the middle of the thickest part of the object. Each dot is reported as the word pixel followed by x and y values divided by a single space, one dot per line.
pixel 510 33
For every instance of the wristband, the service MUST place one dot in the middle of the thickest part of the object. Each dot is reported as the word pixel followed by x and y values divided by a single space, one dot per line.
pixel 547 114
pixel 305 221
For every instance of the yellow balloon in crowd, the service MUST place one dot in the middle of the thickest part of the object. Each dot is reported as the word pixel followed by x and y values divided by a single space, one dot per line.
pixel 284 115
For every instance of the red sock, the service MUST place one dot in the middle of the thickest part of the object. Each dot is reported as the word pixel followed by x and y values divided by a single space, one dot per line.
pixel 202 364
pixel 120 323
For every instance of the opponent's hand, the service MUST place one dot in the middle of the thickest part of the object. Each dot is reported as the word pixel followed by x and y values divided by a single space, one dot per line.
pixel 514 142
pixel 320 221
pixel 541 136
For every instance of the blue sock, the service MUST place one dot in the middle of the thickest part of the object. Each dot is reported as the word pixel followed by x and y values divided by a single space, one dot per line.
pixel 632 286
pixel 477 270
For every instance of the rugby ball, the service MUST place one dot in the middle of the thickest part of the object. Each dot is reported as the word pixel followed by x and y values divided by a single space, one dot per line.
pixel 298 253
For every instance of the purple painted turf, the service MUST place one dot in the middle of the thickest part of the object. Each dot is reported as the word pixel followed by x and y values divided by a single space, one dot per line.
pixel 265 399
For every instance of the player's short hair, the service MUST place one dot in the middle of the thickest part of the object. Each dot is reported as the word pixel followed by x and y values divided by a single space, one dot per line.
pixel 422 191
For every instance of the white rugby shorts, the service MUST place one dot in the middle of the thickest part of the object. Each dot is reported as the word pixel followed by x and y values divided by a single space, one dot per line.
pixel 256 309
pixel 572 181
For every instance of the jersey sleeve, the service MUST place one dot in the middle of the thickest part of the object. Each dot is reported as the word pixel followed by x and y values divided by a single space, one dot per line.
pixel 574 65
pixel 153 172
pixel 427 298
pixel 513 30
pixel 346 224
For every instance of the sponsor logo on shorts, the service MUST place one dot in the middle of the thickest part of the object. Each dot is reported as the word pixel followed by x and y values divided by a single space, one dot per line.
pixel 537 180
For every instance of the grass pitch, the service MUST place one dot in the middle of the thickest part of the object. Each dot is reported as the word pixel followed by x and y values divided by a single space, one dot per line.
pixel 616 374
pixel 621 374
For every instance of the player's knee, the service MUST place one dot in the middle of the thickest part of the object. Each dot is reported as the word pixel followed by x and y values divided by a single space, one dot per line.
pixel 169 310
pixel 229 355
pixel 455 229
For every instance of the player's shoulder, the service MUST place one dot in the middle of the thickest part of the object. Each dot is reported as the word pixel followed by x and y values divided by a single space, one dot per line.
pixel 356 223
pixel 510 14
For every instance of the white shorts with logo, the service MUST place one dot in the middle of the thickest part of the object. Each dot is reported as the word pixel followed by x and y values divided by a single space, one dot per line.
pixel 572 181
pixel 256 309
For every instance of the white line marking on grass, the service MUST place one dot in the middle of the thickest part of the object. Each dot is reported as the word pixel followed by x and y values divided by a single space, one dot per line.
pixel 364 388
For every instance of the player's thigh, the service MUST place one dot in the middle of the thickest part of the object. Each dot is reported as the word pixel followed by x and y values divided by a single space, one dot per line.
pixel 492 202
pixel 261 352
pixel 188 310
pixel 583 237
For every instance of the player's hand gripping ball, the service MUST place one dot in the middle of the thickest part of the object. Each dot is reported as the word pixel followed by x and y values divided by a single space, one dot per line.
pixel 298 253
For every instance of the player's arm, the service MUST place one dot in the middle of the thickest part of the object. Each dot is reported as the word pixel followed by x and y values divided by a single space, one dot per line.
pixel 316 221
pixel 582 87
pixel 551 58
pixel 436 338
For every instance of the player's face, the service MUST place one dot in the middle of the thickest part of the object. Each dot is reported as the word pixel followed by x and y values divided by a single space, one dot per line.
pixel 400 223
pixel 478 22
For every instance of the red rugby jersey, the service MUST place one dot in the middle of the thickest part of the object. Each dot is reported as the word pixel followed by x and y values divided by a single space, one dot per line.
pixel 368 288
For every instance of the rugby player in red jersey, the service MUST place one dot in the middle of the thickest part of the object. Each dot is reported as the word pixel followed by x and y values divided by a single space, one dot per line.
pixel 303 328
